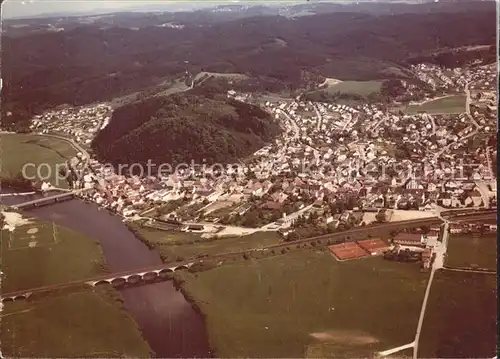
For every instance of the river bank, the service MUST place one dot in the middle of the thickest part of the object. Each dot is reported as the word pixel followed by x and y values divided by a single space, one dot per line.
pixel 37 253
pixel 166 320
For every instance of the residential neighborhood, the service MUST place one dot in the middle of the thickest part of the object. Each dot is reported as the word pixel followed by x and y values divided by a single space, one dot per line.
pixel 344 165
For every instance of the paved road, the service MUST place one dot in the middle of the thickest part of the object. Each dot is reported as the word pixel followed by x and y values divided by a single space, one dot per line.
pixel 293 123
pixel 318 115
pixel 440 250
pixel 395 350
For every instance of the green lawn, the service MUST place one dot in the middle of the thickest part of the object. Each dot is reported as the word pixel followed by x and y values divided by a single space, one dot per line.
pixel 305 303
pixel 82 324
pixel 468 251
pixel 460 320
pixel 169 243
pixel 21 149
pixel 41 253
pixel 450 104
pixel 361 88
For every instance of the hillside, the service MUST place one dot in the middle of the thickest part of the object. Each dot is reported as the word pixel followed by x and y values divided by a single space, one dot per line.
pixel 88 63
pixel 183 128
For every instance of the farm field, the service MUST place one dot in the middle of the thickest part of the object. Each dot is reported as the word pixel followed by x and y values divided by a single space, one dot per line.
pixel 33 149
pixel 446 105
pixel 81 324
pixel 467 251
pixel 305 303
pixel 361 88
pixel 39 253
pixel 169 243
pixel 460 320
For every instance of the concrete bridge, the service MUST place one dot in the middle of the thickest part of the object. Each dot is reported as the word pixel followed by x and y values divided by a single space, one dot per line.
pixel 117 280
pixel 46 201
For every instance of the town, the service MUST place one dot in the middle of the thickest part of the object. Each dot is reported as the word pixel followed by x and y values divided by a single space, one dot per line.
pixel 345 163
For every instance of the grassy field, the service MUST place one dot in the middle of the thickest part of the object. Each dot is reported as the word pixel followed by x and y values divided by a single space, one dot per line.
pixel 460 320
pixel 450 104
pixel 468 251
pixel 361 88
pixel 168 243
pixel 40 253
pixel 19 149
pixel 82 324
pixel 305 303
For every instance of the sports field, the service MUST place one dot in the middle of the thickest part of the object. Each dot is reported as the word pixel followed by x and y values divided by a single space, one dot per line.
pixel 460 320
pixel 78 324
pixel 41 253
pixel 472 251
pixel 20 149
pixel 348 250
pixel 446 105
pixel 373 246
pixel 307 303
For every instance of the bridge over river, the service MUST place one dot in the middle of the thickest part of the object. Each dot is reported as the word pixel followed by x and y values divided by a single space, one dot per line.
pixel 46 201
pixel 118 279
pixel 161 272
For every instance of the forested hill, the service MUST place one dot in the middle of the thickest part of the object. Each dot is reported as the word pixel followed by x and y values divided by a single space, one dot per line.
pixel 184 128
pixel 87 63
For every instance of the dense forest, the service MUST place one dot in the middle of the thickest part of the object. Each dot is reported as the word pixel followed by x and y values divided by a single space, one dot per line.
pixel 183 128
pixel 89 63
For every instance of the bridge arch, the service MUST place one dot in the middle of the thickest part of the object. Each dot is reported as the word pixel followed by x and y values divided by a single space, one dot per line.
pixel 181 267
pixel 7 299
pixel 20 297
pixel 150 276
pixel 134 278
pixel 118 282
pixel 164 273
pixel 101 282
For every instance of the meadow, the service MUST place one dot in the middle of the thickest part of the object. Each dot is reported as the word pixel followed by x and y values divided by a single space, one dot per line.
pixel 460 319
pixel 172 245
pixel 90 324
pixel 360 88
pixel 446 105
pixel 20 149
pixel 467 251
pixel 305 303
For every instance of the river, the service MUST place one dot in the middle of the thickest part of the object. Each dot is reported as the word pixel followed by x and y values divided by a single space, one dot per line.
pixel 167 321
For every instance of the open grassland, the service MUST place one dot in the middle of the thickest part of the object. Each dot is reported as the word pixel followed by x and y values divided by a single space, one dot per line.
pixel 446 105
pixel 467 251
pixel 305 303
pixel 82 324
pixel 20 149
pixel 186 245
pixel 40 253
pixel 460 320
pixel 203 76
pixel 360 88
